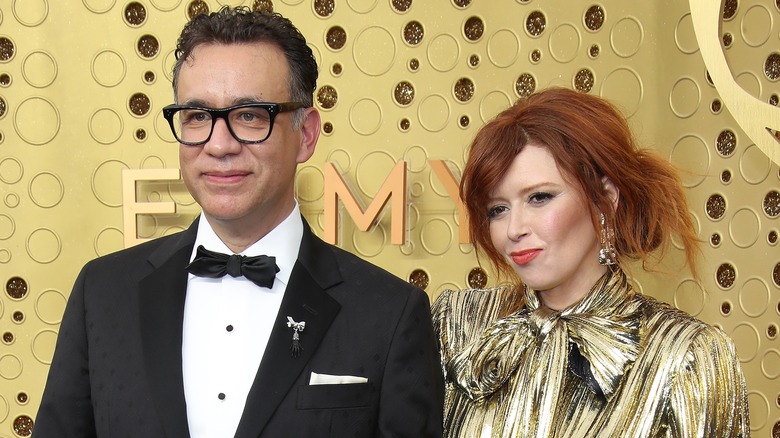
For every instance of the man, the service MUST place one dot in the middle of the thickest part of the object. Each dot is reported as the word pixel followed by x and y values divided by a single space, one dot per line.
pixel 156 339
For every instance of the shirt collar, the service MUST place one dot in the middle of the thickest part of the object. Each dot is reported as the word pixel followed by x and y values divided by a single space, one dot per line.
pixel 283 242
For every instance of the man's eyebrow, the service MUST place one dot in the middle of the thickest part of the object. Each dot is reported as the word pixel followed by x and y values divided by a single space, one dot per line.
pixel 194 102
pixel 239 101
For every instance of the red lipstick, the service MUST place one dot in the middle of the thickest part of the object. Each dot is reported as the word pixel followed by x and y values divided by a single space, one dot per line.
pixel 524 257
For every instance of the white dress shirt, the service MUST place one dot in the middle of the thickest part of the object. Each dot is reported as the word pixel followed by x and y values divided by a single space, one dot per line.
pixel 227 323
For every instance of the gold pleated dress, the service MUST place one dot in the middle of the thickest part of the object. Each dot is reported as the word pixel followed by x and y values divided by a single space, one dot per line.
pixel 616 364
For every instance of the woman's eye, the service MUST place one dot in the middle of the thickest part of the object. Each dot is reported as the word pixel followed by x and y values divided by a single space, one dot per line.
pixel 495 211
pixel 540 198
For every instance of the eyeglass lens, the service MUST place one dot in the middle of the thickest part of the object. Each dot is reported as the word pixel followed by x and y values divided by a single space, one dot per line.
pixel 251 124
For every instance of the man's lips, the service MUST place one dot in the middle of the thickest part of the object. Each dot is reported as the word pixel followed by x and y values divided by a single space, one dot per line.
pixel 225 176
pixel 524 257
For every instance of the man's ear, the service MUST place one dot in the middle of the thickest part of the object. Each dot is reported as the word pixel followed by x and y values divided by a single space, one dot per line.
pixel 310 132
pixel 612 191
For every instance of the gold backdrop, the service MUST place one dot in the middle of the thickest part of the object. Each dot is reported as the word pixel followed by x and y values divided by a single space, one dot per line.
pixel 87 164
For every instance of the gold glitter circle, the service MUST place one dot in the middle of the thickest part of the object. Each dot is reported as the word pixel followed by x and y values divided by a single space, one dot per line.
pixel 419 278
pixel 772 203
pixel 525 85
pixel 197 7
pixel 725 308
pixel 464 121
pixel 327 127
pixel 727 39
pixel 461 3
pixel 401 5
pixel 148 46
pixel 726 275
pixel 716 206
pixel 149 77
pixel 464 89
pixel 140 134
pixel 263 6
pixel 726 143
pixel 7 49
pixel 535 23
pixel 716 106
pixel 725 176
pixel 336 37
pixel 776 278
pixel 22 397
pixel 583 80
pixel 413 33
pixel 772 66
pixel 477 278
pixel 135 14
pixel 729 9
pixel 774 99
pixel 404 93
pixel 327 97
pixel 324 8
pixel 594 17
pixel 23 425
pixel 18 316
pixel 715 239
pixel 772 237
pixel 336 69
pixel 473 28
pixel 404 124
pixel 5 79
pixel 771 331
pixel 474 60
pixel 8 337
pixel 16 288
pixel 536 55
pixel 139 104
pixel 414 64
pixel 594 51
pixel 3 107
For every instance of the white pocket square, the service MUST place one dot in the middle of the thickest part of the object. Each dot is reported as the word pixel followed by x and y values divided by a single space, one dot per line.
pixel 330 379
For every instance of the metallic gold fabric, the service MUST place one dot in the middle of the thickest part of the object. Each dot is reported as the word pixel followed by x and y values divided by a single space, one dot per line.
pixel 661 372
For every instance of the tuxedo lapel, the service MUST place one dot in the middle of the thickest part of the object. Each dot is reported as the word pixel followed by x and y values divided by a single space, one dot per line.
pixel 305 299
pixel 161 313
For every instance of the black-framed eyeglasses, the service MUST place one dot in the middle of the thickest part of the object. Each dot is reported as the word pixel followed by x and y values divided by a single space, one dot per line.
pixel 247 122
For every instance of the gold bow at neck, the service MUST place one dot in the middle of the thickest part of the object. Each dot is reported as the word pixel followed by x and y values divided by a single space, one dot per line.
pixel 604 326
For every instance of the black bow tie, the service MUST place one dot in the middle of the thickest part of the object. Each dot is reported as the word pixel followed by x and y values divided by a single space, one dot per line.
pixel 260 270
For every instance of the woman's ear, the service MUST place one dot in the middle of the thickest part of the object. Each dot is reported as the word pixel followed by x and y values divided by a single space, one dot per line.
pixel 611 190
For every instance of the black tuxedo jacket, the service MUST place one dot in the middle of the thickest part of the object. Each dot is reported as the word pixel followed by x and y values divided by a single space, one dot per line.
pixel 117 366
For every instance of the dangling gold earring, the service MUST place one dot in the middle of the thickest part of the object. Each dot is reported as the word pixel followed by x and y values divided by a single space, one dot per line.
pixel 607 255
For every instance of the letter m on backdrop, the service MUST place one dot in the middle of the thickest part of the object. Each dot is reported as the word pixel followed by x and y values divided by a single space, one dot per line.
pixel 393 189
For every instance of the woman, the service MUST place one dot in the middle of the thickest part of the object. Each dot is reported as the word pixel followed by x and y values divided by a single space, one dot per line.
pixel 560 199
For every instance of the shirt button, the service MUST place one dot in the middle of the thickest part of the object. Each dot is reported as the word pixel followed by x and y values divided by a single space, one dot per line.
pixel 229 328
pixel 221 396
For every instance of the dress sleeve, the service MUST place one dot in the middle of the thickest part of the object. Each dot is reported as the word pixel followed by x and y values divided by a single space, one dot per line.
pixel 709 396
pixel 440 310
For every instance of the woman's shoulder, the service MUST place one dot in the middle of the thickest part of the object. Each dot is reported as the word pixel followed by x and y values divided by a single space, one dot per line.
pixel 471 303
pixel 459 316
pixel 663 322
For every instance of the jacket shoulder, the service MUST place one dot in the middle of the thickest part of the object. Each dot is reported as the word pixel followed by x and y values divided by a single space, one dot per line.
pixel 135 257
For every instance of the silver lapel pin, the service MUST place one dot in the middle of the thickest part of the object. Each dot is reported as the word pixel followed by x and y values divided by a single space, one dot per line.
pixel 296 347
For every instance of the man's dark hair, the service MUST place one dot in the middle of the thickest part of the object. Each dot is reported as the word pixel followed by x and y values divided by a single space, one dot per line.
pixel 241 25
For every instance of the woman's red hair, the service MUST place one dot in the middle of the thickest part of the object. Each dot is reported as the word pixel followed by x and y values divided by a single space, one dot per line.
pixel 590 140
